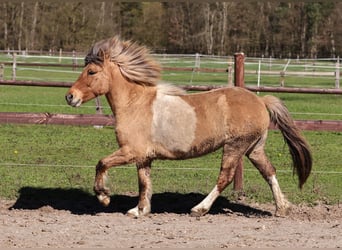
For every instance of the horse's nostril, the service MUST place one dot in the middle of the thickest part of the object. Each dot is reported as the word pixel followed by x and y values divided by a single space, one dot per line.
pixel 69 98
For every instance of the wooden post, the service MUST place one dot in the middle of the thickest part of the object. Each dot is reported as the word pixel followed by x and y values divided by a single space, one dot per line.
pixel 197 61
pixel 98 109
pixel 239 81
pixel 239 69
pixel 282 79
pixel 60 55
pixel 230 71
pixel 74 60
pixel 337 73
pixel 2 71
pixel 14 67
pixel 270 64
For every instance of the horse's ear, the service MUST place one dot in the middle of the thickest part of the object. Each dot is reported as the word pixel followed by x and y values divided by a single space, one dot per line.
pixel 101 54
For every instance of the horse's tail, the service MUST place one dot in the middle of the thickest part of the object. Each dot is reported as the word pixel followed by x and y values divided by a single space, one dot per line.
pixel 299 148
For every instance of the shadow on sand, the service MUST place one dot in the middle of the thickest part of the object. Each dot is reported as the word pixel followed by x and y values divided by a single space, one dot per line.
pixel 79 202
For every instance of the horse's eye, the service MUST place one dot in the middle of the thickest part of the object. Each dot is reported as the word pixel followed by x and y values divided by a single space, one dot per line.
pixel 91 72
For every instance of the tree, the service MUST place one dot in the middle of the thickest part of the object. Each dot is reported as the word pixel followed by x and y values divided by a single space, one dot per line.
pixel 149 30
pixel 34 25
pixel 278 29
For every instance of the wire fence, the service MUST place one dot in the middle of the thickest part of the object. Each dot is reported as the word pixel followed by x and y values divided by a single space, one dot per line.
pixel 326 68
pixel 323 72
pixel 186 167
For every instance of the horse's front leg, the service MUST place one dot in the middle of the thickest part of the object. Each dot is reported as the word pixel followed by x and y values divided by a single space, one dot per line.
pixel 120 157
pixel 145 191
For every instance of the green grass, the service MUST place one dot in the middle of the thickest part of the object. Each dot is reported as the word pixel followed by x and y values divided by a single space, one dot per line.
pixel 65 156
pixel 42 99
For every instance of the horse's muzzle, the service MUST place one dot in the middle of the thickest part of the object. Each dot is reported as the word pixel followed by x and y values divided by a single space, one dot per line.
pixel 72 101
pixel 69 98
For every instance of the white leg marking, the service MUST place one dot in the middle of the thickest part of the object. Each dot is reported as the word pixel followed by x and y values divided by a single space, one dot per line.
pixel 203 207
pixel 282 205
pixel 136 212
pixel 104 199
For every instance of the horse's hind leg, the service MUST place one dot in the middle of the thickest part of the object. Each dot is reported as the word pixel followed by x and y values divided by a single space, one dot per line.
pixel 145 191
pixel 230 160
pixel 259 159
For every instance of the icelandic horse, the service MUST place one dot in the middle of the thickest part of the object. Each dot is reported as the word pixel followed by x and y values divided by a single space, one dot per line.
pixel 160 121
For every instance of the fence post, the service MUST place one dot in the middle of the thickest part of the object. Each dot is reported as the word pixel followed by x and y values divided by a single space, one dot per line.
pixel 259 72
pixel 270 64
pixel 337 73
pixel 197 61
pixel 230 70
pixel 74 60
pixel 99 110
pixel 60 55
pixel 239 81
pixel 282 74
pixel 14 67
pixel 2 71
pixel 282 79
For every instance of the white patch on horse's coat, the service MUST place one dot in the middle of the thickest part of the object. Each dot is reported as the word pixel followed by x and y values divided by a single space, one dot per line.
pixel 174 122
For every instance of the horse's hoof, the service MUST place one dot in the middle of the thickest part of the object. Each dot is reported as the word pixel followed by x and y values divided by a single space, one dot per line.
pixel 136 212
pixel 283 211
pixel 198 212
pixel 104 199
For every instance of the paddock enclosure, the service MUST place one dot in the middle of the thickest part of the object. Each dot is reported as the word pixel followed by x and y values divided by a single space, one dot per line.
pixel 36 176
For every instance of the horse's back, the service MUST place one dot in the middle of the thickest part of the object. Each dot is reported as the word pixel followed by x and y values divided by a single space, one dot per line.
pixel 233 106
pixel 225 116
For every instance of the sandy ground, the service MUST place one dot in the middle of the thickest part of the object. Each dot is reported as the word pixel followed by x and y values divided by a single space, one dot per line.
pixel 57 222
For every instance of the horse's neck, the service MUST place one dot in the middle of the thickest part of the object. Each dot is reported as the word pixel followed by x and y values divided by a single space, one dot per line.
pixel 126 97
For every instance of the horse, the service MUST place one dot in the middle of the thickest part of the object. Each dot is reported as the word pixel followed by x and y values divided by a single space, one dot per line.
pixel 157 120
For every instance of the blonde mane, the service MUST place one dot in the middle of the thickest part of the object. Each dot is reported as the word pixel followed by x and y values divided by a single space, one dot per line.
pixel 134 61
pixel 169 89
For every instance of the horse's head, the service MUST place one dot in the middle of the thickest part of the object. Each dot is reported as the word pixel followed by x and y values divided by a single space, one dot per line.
pixel 107 60
pixel 93 82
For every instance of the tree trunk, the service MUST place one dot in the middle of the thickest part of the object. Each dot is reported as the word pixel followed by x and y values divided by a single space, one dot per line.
pixel 21 18
pixel 224 27
pixel 34 24
pixel 5 26
pixel 100 23
pixel 209 16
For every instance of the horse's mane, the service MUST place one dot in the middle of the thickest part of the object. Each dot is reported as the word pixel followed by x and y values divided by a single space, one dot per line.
pixel 134 60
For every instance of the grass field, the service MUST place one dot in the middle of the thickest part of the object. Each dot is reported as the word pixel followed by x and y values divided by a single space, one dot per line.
pixel 65 156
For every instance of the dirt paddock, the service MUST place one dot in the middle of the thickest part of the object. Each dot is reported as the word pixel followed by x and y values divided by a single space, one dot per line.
pixel 71 218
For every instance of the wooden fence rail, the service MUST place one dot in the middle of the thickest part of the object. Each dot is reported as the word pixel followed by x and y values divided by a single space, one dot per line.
pixel 57 119
pixel 35 83
pixel 109 120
